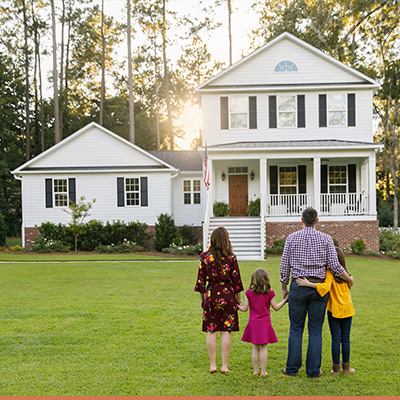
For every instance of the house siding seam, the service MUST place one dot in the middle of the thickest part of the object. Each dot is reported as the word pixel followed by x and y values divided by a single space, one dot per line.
pixel 345 232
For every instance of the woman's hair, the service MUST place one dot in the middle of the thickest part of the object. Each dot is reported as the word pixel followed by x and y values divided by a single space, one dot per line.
pixel 259 282
pixel 220 245
pixel 342 262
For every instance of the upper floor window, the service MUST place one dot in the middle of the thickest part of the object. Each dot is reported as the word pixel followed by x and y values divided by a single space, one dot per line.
pixel 286 66
pixel 191 191
pixel 238 112
pixel 337 110
pixel 287 111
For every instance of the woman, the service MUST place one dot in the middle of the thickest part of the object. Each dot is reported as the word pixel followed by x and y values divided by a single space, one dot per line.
pixel 219 284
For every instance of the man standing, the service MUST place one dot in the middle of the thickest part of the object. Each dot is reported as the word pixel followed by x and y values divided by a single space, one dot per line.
pixel 307 253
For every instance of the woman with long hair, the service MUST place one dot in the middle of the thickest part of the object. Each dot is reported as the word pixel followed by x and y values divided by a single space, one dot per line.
pixel 219 284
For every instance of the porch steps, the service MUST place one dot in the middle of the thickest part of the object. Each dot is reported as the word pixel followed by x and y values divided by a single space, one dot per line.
pixel 244 233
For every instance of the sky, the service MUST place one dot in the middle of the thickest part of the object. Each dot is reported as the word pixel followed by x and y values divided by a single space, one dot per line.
pixel 243 21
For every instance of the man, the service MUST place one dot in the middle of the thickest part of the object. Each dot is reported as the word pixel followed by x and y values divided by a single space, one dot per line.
pixel 307 253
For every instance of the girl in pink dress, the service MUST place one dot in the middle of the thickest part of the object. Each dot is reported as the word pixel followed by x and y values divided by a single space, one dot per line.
pixel 259 330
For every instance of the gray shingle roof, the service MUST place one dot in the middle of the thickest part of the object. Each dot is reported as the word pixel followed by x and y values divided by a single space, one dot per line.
pixel 187 160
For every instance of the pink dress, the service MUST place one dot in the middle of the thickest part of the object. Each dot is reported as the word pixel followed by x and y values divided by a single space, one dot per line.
pixel 259 329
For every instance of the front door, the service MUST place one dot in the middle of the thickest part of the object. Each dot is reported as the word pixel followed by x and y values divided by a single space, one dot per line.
pixel 238 195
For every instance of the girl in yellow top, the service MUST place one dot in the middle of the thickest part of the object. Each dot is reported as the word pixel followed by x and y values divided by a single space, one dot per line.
pixel 340 312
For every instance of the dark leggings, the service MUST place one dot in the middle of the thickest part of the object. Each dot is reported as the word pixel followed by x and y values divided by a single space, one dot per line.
pixel 340 332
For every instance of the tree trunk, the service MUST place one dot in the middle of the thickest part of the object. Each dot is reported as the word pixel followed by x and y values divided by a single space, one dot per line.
pixel 57 134
pixel 130 78
pixel 27 99
pixel 166 80
pixel 62 67
pixel 230 30
pixel 103 65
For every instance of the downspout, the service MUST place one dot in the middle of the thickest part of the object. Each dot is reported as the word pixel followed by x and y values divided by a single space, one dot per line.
pixel 19 177
pixel 171 196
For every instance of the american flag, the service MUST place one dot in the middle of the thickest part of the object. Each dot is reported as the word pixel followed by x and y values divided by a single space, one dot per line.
pixel 206 170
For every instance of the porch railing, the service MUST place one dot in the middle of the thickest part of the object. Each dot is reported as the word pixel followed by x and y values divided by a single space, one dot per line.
pixel 288 204
pixel 330 204
pixel 344 204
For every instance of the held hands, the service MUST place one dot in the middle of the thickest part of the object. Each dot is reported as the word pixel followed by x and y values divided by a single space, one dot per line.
pixel 351 282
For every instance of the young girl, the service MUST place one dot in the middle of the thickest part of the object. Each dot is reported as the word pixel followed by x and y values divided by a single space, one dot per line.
pixel 259 330
pixel 340 312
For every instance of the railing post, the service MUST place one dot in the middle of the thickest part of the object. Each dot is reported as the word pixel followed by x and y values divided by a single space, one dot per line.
pixel 317 183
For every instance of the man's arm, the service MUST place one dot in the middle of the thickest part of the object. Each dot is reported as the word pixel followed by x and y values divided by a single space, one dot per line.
pixel 285 267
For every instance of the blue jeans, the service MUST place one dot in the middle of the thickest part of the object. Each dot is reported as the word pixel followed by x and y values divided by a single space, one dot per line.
pixel 303 300
pixel 340 332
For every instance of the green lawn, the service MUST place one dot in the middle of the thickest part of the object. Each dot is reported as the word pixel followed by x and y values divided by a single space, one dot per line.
pixel 125 329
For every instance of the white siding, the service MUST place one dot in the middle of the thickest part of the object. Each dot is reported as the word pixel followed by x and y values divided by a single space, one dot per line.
pixel 94 148
pixel 213 134
pixel 312 68
pixel 187 214
pixel 103 188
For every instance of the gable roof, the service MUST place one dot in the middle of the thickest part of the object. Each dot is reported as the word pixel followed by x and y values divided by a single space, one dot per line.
pixel 83 152
pixel 349 77
pixel 186 160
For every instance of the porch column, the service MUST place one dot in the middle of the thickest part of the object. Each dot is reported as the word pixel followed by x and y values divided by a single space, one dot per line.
pixel 263 186
pixel 317 183
pixel 208 208
pixel 372 184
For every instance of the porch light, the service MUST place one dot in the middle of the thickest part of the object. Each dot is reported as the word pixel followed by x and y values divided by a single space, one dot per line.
pixel 223 176
pixel 252 176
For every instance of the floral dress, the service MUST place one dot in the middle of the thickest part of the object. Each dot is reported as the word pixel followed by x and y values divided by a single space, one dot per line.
pixel 219 283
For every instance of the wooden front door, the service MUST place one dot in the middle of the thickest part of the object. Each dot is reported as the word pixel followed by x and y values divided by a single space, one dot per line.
pixel 238 195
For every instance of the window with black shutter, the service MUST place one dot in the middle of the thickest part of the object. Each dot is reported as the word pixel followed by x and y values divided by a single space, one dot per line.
pixel 273 179
pixel 272 111
pixel 301 111
pixel 253 112
pixel 322 110
pixel 351 109
pixel 224 113
pixel 132 192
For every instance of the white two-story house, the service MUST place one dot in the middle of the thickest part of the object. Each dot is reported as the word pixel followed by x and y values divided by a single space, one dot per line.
pixel 288 125
pixel 291 126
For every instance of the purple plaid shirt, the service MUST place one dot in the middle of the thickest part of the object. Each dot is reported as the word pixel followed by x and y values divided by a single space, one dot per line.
pixel 308 253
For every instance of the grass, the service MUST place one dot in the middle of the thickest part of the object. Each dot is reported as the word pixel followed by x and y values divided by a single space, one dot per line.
pixel 125 329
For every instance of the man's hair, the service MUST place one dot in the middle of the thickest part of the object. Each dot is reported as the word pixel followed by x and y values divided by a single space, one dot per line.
pixel 310 216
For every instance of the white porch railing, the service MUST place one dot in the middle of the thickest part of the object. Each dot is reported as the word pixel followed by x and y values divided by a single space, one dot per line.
pixel 344 204
pixel 288 204
pixel 330 204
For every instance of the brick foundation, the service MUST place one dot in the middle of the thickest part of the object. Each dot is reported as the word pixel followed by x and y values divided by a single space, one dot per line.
pixel 345 232
pixel 30 235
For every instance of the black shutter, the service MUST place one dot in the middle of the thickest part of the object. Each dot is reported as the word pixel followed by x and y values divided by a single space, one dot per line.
pixel 352 168
pixel 351 109
pixel 272 111
pixel 322 110
pixel 302 179
pixel 144 202
pixel 120 192
pixel 253 112
pixel 324 178
pixel 224 113
pixel 301 111
pixel 49 193
pixel 71 190
pixel 273 179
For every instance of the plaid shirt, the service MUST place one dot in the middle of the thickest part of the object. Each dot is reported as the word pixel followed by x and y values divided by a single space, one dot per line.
pixel 308 253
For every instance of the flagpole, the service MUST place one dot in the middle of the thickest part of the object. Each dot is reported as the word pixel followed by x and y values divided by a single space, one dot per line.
pixel 208 185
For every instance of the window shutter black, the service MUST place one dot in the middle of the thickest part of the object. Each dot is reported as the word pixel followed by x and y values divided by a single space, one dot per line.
pixel 71 190
pixel 301 111
pixel 253 112
pixel 120 192
pixel 322 110
pixel 49 193
pixel 324 178
pixel 272 111
pixel 224 113
pixel 302 179
pixel 144 202
pixel 273 179
pixel 351 109
pixel 352 168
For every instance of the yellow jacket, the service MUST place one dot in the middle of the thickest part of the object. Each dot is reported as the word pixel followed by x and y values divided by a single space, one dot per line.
pixel 339 303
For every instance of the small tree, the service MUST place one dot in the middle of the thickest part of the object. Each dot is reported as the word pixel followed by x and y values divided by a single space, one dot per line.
pixel 78 212
pixel 166 231
pixel 3 229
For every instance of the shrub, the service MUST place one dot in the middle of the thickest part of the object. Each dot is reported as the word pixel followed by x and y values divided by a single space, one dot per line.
pixel 254 208
pixel 3 248
pixel 3 230
pixel 335 242
pixel 187 234
pixel 125 247
pixel 17 248
pixel 188 250
pixel 44 245
pixel 277 248
pixel 358 247
pixel 165 231
pixel 220 209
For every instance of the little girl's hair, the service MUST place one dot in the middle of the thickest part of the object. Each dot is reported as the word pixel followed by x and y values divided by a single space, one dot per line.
pixel 342 262
pixel 259 282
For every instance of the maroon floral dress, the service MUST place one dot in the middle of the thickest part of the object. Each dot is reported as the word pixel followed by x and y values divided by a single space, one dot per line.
pixel 219 283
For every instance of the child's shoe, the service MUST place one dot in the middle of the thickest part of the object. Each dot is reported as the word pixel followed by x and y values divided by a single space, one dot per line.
pixel 346 368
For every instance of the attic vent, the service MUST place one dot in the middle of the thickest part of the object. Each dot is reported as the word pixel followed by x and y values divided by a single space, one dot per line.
pixel 286 66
